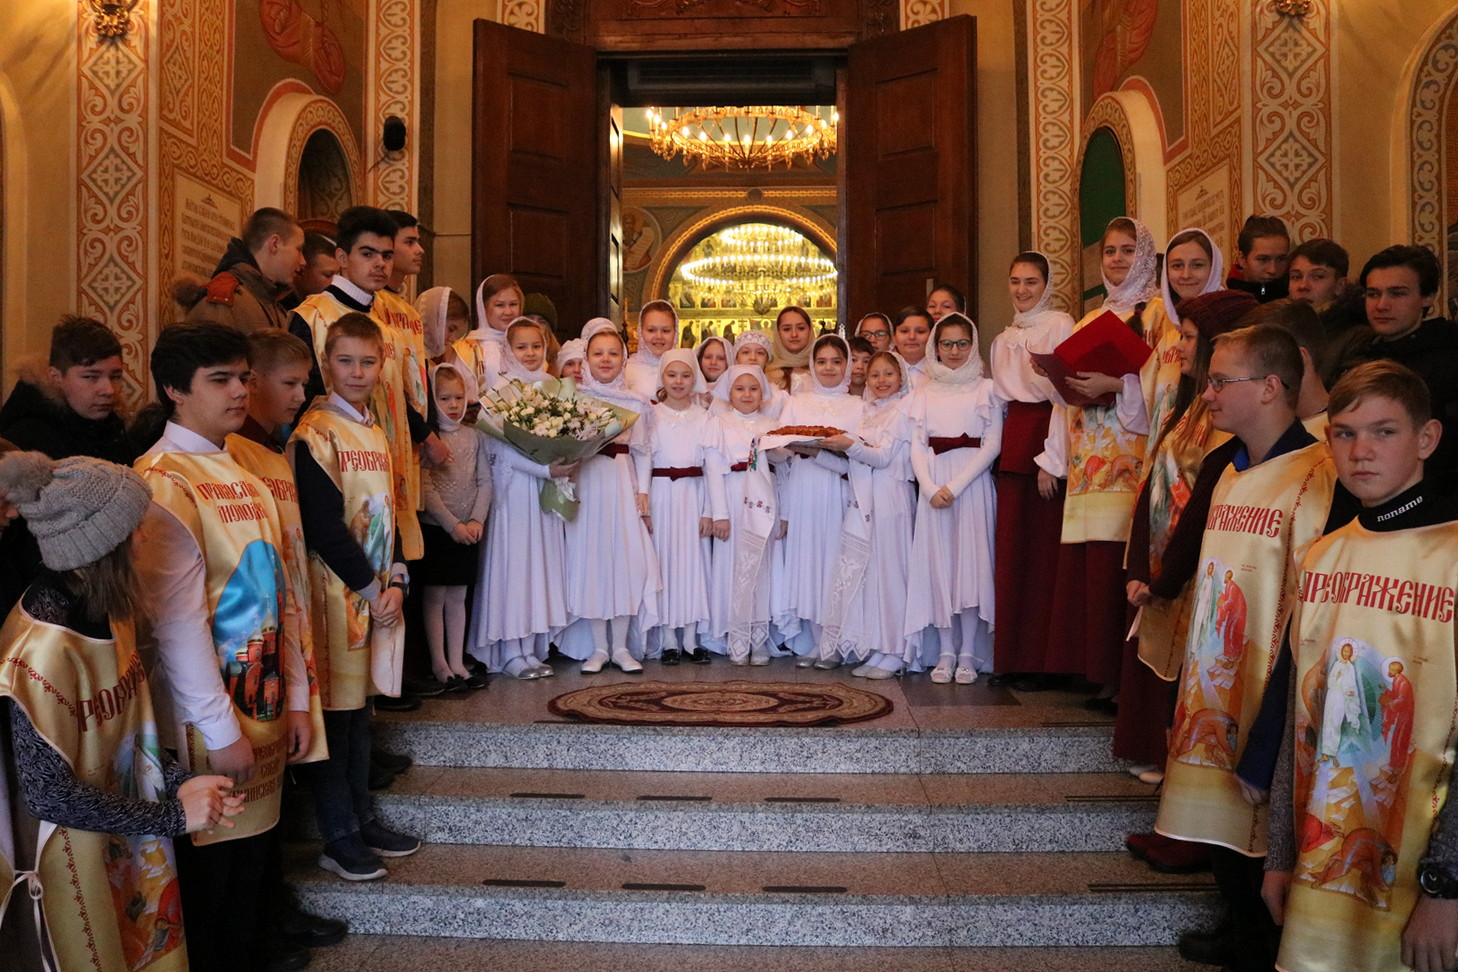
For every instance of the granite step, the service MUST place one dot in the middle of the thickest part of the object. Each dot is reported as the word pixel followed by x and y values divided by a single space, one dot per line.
pixel 930 729
pixel 775 898
pixel 560 744
pixel 781 812
pixel 406 953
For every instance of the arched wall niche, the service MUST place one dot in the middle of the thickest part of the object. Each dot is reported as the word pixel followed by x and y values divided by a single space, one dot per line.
pixel 686 237
pixel 1132 117
pixel 1426 130
pixel 289 139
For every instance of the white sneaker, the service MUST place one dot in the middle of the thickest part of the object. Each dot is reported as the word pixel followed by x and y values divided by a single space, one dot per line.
pixel 594 664
pixel 942 674
pixel 965 676
pixel 624 660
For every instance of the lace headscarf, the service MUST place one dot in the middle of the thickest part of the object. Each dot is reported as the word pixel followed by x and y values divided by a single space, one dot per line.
pixel 1140 284
pixel 434 306
pixel 753 337
pixel 1216 281
pixel 683 356
pixel 573 350
pixel 728 358
pixel 971 369
pixel 514 368
pixel 816 388
pixel 484 331
pixel 443 422
pixel 643 355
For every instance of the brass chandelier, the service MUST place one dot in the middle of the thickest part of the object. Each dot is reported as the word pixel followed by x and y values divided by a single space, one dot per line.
pixel 761 263
pixel 758 136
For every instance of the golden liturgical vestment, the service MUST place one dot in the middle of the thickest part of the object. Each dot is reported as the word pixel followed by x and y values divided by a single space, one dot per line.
pixel 232 516
pixel 108 902
pixel 393 395
pixel 1376 707
pixel 348 649
pixel 1261 522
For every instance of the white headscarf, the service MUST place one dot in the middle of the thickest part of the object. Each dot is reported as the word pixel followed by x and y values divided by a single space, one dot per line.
pixel 683 356
pixel 902 392
pixel 1217 273
pixel 727 379
pixel 971 370
pixel 484 331
pixel 1140 284
pixel 473 393
pixel 728 357
pixel 1034 315
pixel 617 390
pixel 816 388
pixel 752 337
pixel 573 350
pixel 514 368
pixel 643 355
pixel 433 306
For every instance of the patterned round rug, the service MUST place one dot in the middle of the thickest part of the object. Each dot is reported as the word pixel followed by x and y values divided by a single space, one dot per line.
pixel 721 704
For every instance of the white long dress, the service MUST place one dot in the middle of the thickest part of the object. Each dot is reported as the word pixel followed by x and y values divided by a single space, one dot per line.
pixel 880 469
pixel 952 548
pixel 679 440
pixel 813 498
pixel 640 372
pixel 728 490
pixel 612 568
pixel 521 590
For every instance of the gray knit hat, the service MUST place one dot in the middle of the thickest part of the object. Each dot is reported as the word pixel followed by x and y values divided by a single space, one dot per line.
pixel 79 509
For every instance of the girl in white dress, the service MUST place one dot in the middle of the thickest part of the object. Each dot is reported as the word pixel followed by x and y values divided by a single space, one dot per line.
pixel 712 355
pixel 680 434
pixel 657 334
pixel 958 422
pixel 876 328
pixel 521 601
pixel 913 328
pixel 742 502
pixel 880 471
pixel 813 498
pixel 612 568
pixel 789 366
pixel 498 303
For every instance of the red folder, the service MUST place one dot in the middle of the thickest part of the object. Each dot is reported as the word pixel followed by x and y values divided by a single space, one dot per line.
pixel 1106 345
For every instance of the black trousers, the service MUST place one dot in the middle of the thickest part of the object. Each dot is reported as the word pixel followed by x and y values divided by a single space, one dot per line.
pixel 1256 937
pixel 222 889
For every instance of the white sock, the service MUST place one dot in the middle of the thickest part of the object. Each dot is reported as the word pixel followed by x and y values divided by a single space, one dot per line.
pixel 620 634
pixel 599 628
pixel 976 645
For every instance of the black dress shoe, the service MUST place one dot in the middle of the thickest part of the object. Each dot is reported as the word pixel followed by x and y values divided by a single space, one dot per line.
pixel 1003 680
pixel 477 680
pixel 300 928
pixel 671 656
pixel 280 956
pixel 701 656
pixel 381 778
pixel 1215 947
pixel 1106 707
pixel 424 687
pixel 405 703
pixel 394 762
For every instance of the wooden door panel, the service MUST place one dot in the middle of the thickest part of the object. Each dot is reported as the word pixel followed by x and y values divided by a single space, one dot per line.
pixel 910 166
pixel 535 188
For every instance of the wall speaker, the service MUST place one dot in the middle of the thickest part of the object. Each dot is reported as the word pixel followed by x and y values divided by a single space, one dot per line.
pixel 393 136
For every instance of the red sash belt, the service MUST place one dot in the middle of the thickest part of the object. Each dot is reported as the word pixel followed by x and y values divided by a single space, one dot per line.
pixel 614 449
pixel 739 467
pixel 675 473
pixel 946 443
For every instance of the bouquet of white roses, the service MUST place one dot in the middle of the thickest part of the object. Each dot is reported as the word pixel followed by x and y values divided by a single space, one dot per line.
pixel 548 421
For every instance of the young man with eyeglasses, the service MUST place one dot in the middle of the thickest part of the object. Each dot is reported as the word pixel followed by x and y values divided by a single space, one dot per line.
pixel 1272 500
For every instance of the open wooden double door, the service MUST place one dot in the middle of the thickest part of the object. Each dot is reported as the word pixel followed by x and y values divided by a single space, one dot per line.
pixel 547 170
